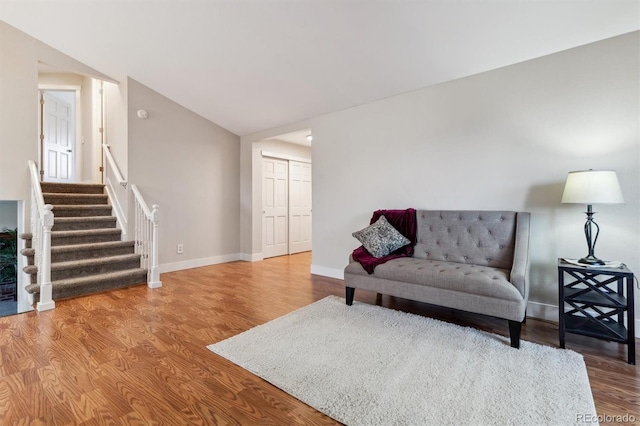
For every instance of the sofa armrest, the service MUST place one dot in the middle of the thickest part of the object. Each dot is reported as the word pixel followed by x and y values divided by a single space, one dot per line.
pixel 520 269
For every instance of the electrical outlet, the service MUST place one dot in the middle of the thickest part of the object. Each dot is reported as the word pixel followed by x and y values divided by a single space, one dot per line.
pixel 180 248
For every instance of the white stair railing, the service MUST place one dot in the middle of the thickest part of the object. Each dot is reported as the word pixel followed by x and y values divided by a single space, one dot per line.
pixel 146 237
pixel 41 223
pixel 146 221
pixel 114 167
pixel 112 170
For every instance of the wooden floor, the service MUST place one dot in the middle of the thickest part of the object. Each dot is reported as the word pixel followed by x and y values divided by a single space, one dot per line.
pixel 138 356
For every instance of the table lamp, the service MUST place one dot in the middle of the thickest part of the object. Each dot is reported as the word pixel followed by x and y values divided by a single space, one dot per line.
pixel 592 187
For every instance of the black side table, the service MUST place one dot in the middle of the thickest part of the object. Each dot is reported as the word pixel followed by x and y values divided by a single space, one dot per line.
pixel 589 306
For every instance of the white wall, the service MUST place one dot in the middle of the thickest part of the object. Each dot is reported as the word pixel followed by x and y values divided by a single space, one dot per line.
pixel 503 139
pixel 18 111
pixel 189 166
pixel 19 57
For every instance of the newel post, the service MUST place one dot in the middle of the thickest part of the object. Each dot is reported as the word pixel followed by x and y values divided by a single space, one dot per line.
pixel 46 292
pixel 154 270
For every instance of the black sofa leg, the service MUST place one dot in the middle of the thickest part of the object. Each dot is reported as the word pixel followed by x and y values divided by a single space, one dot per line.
pixel 350 292
pixel 514 333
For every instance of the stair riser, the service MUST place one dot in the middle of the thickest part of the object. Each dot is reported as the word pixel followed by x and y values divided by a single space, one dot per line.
pixel 84 239
pixel 67 188
pixel 96 287
pixel 75 199
pixel 62 212
pixel 81 225
pixel 91 270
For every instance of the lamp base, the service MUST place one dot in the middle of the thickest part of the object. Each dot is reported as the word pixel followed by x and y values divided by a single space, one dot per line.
pixel 591 260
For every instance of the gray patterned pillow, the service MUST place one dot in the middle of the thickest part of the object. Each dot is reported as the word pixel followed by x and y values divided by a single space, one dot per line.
pixel 381 238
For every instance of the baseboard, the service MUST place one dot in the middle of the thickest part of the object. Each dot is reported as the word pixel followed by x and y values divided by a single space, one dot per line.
pixel 534 309
pixel 251 257
pixel 327 272
pixel 197 263
pixel 542 311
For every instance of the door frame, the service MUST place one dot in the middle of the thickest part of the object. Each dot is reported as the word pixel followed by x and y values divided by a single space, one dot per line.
pixel 77 149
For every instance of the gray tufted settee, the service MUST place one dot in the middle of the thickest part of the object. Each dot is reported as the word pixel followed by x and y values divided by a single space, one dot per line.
pixel 476 261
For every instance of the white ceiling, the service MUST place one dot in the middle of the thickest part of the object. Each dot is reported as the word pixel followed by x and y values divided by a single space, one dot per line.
pixel 251 65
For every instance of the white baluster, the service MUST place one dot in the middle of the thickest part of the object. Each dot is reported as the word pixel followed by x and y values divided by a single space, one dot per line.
pixel 137 229
pixel 46 291
pixel 154 280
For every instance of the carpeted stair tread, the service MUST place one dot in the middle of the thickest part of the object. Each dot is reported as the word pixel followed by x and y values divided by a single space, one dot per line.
pixel 86 219
pixel 80 210
pixel 85 232
pixel 89 246
pixel 74 264
pixel 28 252
pixel 87 267
pixel 56 198
pixel 82 188
pixel 80 247
pixel 85 236
pixel 72 287
pixel 84 251
pixel 78 206
pixel 30 269
pixel 79 223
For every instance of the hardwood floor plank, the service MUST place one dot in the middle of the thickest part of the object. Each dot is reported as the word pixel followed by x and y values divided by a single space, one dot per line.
pixel 138 356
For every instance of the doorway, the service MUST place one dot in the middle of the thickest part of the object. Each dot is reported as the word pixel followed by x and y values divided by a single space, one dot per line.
pixel 58 135
pixel 286 206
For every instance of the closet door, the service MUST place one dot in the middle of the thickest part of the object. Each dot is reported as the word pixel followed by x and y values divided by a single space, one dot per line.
pixel 299 207
pixel 275 206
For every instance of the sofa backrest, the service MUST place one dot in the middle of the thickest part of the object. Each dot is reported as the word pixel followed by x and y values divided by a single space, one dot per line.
pixel 484 238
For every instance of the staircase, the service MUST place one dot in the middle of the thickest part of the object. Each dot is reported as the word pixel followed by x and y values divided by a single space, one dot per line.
pixel 87 254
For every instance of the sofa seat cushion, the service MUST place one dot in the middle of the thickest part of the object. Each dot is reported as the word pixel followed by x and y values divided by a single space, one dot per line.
pixel 466 278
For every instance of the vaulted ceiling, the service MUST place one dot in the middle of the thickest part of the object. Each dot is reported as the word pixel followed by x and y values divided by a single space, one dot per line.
pixel 251 65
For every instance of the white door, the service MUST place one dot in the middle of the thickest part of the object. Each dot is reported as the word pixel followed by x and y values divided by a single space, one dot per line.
pixel 58 129
pixel 275 207
pixel 299 207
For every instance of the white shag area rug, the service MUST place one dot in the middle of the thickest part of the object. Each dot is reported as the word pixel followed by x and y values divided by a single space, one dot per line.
pixel 369 365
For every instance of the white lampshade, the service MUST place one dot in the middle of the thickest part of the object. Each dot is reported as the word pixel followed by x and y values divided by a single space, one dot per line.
pixel 592 187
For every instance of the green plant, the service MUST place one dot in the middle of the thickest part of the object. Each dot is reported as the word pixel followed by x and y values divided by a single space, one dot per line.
pixel 8 254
